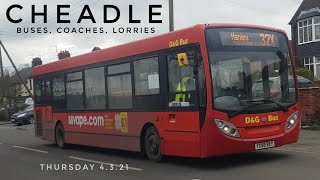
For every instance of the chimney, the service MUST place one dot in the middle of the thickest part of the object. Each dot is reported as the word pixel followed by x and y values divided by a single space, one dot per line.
pixel 36 62
pixel 64 55
pixel 96 49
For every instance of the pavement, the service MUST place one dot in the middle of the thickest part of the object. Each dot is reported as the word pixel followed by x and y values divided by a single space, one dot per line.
pixel 24 156
pixel 4 122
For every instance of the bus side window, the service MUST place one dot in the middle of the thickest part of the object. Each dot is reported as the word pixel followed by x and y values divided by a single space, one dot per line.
pixel 74 86
pixel 202 83
pixel 182 87
pixel 58 92
pixel 37 93
pixel 119 86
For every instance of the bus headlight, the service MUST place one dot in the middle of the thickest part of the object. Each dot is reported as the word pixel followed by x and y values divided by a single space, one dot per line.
pixel 292 120
pixel 227 128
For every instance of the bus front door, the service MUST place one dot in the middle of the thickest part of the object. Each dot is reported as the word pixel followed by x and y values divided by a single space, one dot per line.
pixel 181 124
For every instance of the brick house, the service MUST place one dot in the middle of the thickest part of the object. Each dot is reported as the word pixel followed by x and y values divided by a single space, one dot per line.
pixel 305 28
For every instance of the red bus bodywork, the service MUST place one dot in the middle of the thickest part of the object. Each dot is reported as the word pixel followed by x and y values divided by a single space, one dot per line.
pixel 178 138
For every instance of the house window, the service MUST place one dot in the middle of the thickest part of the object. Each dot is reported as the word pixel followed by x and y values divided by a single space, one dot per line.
pixel 308 63
pixel 317 28
pixel 305 31
pixel 317 67
pixel 313 64
pixel 309 30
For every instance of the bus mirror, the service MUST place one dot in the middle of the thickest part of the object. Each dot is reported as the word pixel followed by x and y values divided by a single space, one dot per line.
pixel 183 59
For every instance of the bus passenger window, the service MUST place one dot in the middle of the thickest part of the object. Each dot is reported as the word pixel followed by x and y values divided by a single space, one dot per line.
pixel 181 81
pixel 120 92
pixel 58 92
pixel 37 92
pixel 45 98
pixel 48 89
pixel 95 88
pixel 75 100
pixel 146 75
pixel 119 87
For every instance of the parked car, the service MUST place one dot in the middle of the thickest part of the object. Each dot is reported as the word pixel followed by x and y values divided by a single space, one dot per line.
pixel 274 83
pixel 305 83
pixel 26 116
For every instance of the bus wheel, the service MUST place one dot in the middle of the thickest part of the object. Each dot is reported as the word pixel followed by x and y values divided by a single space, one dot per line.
pixel 152 144
pixel 59 134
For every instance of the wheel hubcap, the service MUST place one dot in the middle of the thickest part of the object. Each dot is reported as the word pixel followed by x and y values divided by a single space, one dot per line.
pixel 153 144
pixel 59 137
pixel 31 121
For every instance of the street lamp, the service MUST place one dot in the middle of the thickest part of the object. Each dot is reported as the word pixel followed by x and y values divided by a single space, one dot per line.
pixel 1 65
pixel 171 16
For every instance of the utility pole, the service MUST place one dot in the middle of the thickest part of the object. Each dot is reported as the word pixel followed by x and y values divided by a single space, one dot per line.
pixel 1 65
pixel 171 16
pixel 15 68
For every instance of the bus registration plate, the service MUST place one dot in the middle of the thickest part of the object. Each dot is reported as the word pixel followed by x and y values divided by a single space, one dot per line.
pixel 265 145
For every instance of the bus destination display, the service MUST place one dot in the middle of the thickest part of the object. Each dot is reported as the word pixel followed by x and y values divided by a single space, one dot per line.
pixel 249 39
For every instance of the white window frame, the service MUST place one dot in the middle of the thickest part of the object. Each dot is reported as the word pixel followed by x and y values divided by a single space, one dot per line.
pixel 314 63
pixel 313 26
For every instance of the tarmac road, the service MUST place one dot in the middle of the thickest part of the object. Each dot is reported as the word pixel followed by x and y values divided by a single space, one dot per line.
pixel 23 156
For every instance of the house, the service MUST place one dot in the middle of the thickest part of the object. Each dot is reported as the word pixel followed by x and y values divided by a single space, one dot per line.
pixel 26 75
pixel 305 28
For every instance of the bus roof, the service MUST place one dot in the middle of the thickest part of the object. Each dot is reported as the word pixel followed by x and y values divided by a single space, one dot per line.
pixel 193 34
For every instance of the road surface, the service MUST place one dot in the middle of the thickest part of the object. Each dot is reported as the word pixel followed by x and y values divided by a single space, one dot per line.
pixel 23 156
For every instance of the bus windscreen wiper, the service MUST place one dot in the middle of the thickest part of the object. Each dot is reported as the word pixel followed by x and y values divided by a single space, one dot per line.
pixel 236 113
pixel 284 108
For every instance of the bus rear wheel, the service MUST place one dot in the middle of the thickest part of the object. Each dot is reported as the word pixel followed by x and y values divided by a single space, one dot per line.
pixel 59 135
pixel 152 144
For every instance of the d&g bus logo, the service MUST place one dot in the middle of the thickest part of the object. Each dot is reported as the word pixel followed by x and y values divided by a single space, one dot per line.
pixel 257 119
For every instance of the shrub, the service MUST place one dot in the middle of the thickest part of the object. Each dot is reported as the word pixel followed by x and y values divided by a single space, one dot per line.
pixel 304 72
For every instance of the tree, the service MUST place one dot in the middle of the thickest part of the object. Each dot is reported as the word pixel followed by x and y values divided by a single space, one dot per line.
pixel 4 90
pixel 9 94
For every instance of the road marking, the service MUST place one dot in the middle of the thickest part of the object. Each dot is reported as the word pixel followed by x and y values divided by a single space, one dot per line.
pixel 1 143
pixel 304 152
pixel 104 163
pixel 30 149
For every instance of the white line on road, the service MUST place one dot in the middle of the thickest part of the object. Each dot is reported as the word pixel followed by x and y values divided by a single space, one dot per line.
pixel 30 149
pixel 104 163
pixel 1 143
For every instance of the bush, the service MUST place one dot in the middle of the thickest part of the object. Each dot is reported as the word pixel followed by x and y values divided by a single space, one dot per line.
pixel 306 73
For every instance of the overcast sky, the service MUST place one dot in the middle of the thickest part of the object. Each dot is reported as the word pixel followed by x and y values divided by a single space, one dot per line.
pixel 23 47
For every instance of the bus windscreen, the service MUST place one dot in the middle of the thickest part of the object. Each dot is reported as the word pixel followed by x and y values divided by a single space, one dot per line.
pixel 251 69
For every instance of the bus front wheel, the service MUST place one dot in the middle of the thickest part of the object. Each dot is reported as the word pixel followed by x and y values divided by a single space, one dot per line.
pixel 59 134
pixel 152 144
